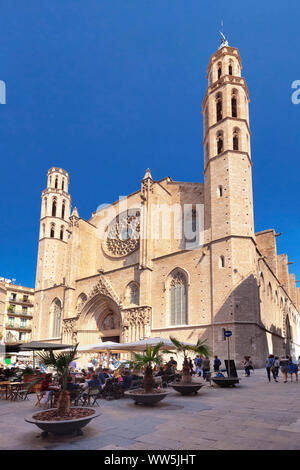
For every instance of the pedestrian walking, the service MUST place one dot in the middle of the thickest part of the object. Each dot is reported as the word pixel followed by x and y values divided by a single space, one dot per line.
pixel 270 367
pixel 276 366
pixel 284 367
pixel 247 364
pixel 293 369
pixel 205 367
pixel 217 364
pixel 198 363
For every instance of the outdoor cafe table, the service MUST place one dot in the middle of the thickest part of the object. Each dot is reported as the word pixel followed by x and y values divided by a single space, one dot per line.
pixel 8 387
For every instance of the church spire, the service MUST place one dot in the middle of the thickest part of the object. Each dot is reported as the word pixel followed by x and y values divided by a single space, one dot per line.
pixel 148 174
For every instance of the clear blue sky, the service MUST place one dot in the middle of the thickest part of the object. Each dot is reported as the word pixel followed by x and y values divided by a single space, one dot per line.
pixel 107 88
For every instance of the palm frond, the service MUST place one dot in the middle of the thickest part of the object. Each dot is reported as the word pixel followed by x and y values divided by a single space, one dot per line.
pixel 60 360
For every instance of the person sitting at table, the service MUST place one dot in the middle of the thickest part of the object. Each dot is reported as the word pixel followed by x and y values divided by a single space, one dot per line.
pixel 90 372
pixel 107 373
pixel 127 380
pixel 94 382
pixel 72 388
pixel 45 384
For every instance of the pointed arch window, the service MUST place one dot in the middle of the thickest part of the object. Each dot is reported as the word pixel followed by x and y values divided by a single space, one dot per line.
pixel 235 139
pixel 178 298
pixel 230 68
pixel 63 209
pixel 219 70
pixel 61 236
pixel 56 182
pixel 220 145
pixel 234 104
pixel 63 184
pixel 133 293
pixel 219 106
pixel 269 291
pixel 52 231
pixel 54 206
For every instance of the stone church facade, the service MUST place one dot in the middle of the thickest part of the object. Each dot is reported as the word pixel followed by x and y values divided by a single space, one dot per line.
pixel 173 258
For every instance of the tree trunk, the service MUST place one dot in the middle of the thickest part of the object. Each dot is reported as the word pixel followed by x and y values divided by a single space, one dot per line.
pixel 149 381
pixel 63 403
pixel 186 376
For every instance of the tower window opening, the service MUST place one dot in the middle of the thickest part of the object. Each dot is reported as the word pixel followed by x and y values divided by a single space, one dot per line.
pixel 219 142
pixel 234 105
pixel 219 71
pixel 61 236
pixel 54 208
pixel 220 191
pixel 219 110
pixel 235 139
pixel 63 185
pixel 222 262
pixel 52 231
pixel 63 210
pixel 230 69
pixel 56 183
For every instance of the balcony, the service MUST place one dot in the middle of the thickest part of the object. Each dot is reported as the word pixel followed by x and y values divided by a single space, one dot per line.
pixel 27 303
pixel 19 314
pixel 17 327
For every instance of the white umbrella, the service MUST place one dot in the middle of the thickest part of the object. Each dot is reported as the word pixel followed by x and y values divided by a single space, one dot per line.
pixel 99 347
pixel 142 344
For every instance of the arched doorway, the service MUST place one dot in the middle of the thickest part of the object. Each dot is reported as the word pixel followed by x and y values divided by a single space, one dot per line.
pixel 100 320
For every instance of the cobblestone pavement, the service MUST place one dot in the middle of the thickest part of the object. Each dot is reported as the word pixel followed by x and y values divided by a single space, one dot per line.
pixel 254 415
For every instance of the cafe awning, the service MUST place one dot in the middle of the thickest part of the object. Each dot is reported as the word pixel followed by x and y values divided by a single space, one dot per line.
pixel 41 345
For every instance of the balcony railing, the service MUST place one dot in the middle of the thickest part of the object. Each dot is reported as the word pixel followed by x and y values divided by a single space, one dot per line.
pixel 18 327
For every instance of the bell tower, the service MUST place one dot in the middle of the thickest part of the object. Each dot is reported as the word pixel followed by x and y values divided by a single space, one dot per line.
pixel 55 213
pixel 227 157
pixel 229 225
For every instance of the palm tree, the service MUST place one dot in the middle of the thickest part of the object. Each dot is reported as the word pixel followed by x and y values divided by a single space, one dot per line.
pixel 200 348
pixel 147 360
pixel 61 362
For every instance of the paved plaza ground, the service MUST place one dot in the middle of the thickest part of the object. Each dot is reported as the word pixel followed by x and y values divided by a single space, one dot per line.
pixel 254 415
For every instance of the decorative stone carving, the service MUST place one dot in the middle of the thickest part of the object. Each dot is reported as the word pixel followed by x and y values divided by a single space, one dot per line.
pixel 69 329
pixel 110 322
pixel 136 323
pixel 103 287
pixel 123 233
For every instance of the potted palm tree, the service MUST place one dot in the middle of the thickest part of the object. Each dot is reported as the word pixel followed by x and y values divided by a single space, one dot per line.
pixel 64 419
pixel 147 395
pixel 186 386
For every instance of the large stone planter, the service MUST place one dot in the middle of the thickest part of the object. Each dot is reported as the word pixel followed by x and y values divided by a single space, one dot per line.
pixel 225 381
pixel 70 426
pixel 186 389
pixel 145 398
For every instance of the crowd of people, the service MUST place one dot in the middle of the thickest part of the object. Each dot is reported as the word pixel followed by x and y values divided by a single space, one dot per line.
pixel 98 376
pixel 274 364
